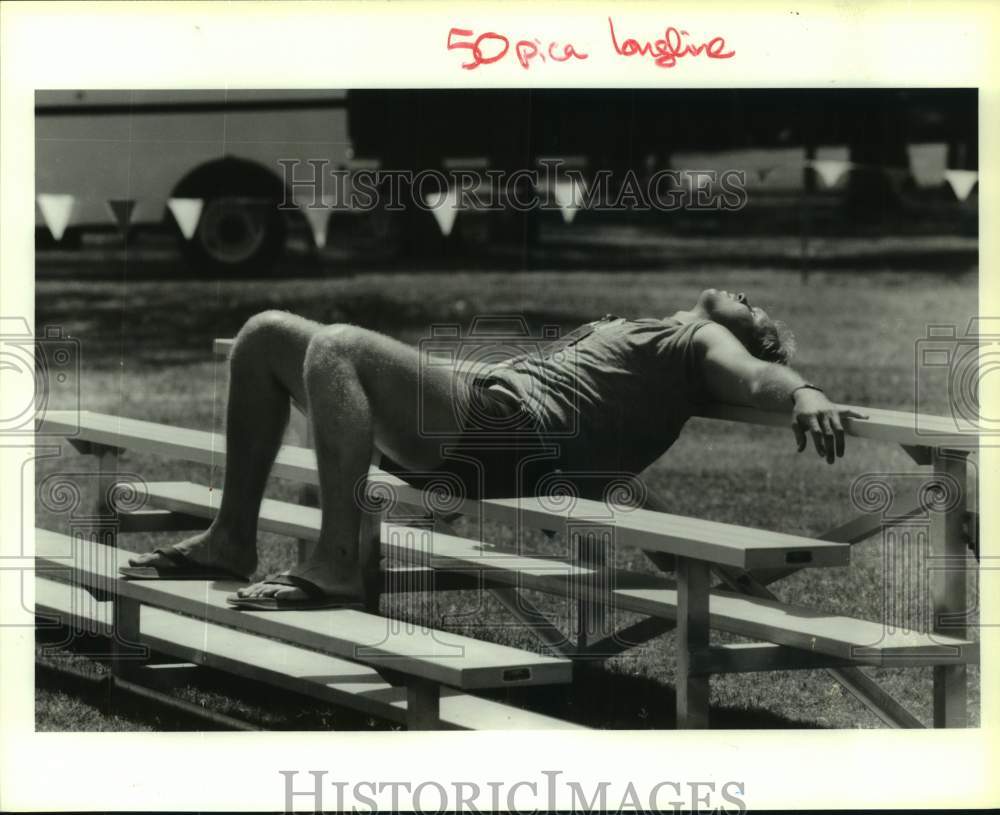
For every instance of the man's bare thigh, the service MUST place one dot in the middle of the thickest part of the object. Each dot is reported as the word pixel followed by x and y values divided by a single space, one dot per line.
pixel 415 404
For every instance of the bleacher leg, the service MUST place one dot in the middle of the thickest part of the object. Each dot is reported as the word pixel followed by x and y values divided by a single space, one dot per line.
pixel 128 655
pixel 423 705
pixel 103 525
pixel 591 543
pixel 693 583
pixel 108 469
pixel 948 554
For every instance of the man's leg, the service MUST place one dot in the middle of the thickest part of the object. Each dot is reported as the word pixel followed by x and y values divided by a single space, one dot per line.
pixel 363 390
pixel 266 367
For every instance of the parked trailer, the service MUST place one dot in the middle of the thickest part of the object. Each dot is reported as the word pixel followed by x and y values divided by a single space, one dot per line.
pixel 215 165
pixel 123 155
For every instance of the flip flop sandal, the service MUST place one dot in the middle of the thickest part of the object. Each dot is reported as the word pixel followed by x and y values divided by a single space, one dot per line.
pixel 315 597
pixel 181 568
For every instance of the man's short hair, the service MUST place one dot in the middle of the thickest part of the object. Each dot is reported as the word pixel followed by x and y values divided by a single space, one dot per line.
pixel 772 341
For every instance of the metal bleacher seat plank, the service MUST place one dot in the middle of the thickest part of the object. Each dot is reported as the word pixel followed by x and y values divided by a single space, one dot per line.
pixel 899 427
pixel 842 637
pixel 868 643
pixel 724 544
pixel 434 656
pixel 287 667
pixel 835 635
pixel 301 522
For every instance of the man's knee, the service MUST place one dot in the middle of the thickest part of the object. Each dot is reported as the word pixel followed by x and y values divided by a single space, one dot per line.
pixel 265 327
pixel 271 333
pixel 268 322
pixel 335 346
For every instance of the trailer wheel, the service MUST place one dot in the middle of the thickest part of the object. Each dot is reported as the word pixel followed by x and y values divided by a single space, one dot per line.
pixel 237 235
pixel 241 230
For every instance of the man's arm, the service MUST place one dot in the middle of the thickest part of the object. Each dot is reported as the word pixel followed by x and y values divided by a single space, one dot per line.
pixel 734 376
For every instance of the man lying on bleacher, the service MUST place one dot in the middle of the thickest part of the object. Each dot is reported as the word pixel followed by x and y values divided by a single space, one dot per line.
pixel 610 397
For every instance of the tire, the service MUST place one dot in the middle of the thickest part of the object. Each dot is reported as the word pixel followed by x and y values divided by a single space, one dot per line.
pixel 241 230
pixel 236 235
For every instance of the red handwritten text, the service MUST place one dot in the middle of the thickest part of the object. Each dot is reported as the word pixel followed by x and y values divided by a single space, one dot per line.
pixel 490 47
pixel 671 48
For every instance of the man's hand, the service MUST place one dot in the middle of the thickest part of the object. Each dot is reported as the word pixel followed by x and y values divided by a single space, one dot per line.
pixel 816 414
pixel 735 377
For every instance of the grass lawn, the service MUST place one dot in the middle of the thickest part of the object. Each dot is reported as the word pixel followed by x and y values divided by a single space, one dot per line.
pixel 146 353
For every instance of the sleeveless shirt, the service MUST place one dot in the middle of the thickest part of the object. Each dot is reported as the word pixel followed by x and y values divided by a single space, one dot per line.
pixel 612 395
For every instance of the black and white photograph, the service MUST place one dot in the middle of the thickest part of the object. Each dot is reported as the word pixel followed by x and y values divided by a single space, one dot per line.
pixel 360 409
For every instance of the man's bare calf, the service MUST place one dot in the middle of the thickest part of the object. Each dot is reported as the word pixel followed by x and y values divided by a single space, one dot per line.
pixel 361 392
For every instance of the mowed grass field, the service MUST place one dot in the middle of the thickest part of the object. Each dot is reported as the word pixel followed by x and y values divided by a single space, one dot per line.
pixel 146 353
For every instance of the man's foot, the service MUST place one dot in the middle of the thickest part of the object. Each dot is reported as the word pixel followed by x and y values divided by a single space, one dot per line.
pixel 211 549
pixel 305 585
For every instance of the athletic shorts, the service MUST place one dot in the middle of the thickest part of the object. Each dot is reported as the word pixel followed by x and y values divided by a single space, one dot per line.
pixel 501 452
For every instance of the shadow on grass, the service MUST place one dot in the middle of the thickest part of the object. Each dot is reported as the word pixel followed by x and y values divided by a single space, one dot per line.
pixel 81 670
pixel 604 699
pixel 598 698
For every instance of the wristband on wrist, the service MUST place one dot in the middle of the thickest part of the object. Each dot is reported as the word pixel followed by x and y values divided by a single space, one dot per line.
pixel 809 385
